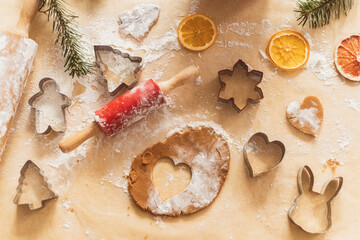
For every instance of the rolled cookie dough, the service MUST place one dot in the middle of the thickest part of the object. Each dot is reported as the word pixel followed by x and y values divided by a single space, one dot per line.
pixel 206 153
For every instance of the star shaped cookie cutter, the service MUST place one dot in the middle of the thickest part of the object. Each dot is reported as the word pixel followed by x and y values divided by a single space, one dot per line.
pixel 250 75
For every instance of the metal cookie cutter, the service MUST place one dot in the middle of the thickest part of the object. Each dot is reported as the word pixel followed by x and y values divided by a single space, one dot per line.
pixel 33 188
pixel 49 106
pixel 261 155
pixel 245 90
pixel 118 68
pixel 313 205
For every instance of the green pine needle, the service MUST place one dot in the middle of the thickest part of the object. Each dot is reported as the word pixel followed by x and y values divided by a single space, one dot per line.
pixel 319 12
pixel 65 26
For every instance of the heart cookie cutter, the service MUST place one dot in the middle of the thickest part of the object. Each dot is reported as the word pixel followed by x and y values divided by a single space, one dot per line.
pixel 253 76
pixel 305 182
pixel 44 120
pixel 43 192
pixel 115 77
pixel 253 145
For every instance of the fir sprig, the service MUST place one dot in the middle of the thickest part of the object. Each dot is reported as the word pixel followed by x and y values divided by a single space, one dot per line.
pixel 67 33
pixel 319 12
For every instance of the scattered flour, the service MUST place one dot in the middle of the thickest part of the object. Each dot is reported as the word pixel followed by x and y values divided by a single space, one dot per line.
pixel 159 222
pixel 116 180
pixel 138 21
pixel 194 6
pixel 240 28
pixel 66 225
pixel 321 61
pixel 353 104
pixel 160 46
pixel 264 55
pixel 67 205
pixel 198 80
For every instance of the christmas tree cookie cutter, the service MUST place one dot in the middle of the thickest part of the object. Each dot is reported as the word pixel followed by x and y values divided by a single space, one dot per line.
pixel 33 189
pixel 313 205
pixel 240 86
pixel 117 68
pixel 261 155
pixel 49 107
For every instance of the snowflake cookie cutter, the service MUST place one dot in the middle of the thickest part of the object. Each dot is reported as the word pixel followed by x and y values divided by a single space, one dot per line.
pixel 31 191
pixel 261 155
pixel 47 117
pixel 118 77
pixel 252 77
pixel 320 202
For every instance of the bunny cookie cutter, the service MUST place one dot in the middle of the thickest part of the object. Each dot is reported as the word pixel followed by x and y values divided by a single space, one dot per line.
pixel 314 201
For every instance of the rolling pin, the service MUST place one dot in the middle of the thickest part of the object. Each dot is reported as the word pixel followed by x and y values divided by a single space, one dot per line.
pixel 129 108
pixel 17 54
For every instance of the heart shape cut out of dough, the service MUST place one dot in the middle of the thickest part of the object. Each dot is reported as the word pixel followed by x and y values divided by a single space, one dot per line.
pixel 203 149
pixel 262 156
pixel 306 117
pixel 169 179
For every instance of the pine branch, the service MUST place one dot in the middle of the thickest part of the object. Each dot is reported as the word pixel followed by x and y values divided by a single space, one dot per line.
pixel 65 26
pixel 319 12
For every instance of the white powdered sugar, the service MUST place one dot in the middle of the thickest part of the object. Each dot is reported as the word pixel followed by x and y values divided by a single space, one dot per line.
pixel 304 116
pixel 138 21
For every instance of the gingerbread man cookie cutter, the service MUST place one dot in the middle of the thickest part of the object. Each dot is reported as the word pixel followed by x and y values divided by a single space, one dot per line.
pixel 49 106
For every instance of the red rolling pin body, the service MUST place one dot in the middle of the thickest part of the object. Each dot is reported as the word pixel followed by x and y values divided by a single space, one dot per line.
pixel 129 108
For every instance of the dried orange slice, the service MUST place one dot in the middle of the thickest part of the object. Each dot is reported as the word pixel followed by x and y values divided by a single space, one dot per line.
pixel 288 50
pixel 197 32
pixel 347 57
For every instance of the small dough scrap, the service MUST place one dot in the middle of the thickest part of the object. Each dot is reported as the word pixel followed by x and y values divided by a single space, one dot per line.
pixel 207 154
pixel 306 117
pixel 138 21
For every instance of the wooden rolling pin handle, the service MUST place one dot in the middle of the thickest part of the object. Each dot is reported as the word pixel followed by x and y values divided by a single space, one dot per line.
pixel 28 12
pixel 188 74
pixel 71 142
